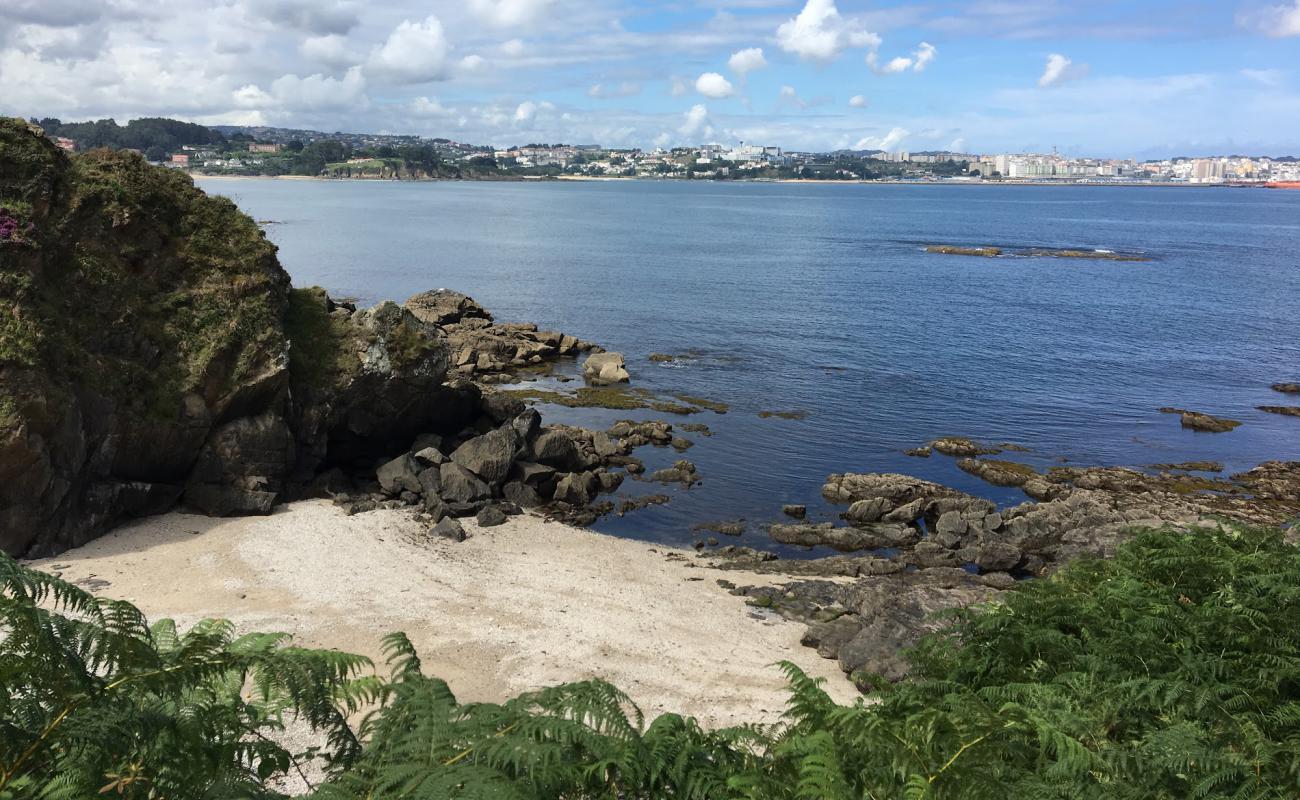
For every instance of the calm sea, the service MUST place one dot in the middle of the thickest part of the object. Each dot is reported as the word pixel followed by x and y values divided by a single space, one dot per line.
pixel 820 299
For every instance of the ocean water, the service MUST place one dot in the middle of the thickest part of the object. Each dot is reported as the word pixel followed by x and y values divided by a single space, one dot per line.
pixel 820 299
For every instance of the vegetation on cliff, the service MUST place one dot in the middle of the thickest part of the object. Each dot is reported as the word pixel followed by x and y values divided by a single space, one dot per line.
pixel 1171 671
pixel 136 313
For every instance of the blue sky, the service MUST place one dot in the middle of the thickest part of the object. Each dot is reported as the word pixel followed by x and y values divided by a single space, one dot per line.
pixel 1139 78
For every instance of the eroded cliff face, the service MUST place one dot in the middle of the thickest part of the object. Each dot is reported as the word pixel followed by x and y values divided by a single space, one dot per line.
pixel 152 351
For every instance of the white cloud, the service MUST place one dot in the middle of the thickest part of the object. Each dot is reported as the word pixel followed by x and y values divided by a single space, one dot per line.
pixel 513 48
pixel 509 13
pixel 472 62
pixel 790 97
pixel 624 89
pixel 1266 77
pixel 957 145
pixel 715 86
pixel 330 50
pixel 858 101
pixel 528 111
pixel 1060 69
pixel 415 52
pixel 886 142
pixel 312 93
pixel 819 33
pixel 679 86
pixel 743 62
pixel 429 107
pixel 923 55
pixel 1277 21
pixel 697 122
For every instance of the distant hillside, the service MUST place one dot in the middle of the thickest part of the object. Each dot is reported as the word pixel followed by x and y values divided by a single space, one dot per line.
pixel 153 136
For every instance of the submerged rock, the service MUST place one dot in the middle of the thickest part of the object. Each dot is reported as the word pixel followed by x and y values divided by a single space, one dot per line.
pixel 1287 411
pixel 1286 388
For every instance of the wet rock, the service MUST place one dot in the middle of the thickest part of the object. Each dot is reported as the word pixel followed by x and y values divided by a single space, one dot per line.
pixel 918 452
pixel 795 511
pixel 609 481
pixel 490 516
pixel 1287 388
pixel 1191 466
pixel 728 528
pixel 681 445
pixel 449 528
pixel 642 501
pixel 459 485
pixel 682 472
pixel 602 369
pixel 897 489
pixel 998 473
pixel 400 474
pixel 1202 422
pixel 1286 411
pixel 696 427
pixel 961 446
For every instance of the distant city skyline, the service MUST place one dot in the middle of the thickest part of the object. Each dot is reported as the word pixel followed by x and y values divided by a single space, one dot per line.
pixel 1142 79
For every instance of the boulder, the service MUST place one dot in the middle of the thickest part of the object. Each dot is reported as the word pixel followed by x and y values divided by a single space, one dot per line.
pixel 577 488
pixel 444 307
pixel 429 455
pixel 997 557
pixel 960 446
pixel 897 610
pixel 557 448
pixel 795 511
pixel 430 482
pixel 682 472
pixel 863 512
pixel 489 456
pixel 491 516
pixel 435 508
pixel 1287 388
pixel 521 494
pixel 459 485
pixel 449 528
pixel 399 475
pixel 602 369
pixel 1199 421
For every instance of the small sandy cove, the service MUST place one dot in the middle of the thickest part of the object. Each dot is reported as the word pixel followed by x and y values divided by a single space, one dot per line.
pixel 515 607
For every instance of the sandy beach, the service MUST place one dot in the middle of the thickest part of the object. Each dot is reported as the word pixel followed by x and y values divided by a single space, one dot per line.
pixel 516 607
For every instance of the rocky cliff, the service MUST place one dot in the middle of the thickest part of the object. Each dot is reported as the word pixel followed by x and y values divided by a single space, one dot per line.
pixel 152 351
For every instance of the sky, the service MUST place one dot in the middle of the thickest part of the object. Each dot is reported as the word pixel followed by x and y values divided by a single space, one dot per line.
pixel 1110 78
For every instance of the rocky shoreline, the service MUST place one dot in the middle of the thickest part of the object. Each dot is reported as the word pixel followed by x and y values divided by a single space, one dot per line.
pixel 192 374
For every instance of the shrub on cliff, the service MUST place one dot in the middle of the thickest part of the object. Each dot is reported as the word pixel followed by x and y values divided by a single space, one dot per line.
pixel 1171 671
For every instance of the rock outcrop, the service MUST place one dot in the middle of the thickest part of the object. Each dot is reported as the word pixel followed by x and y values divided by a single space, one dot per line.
pixel 483 348
pixel 153 352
